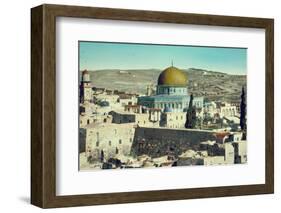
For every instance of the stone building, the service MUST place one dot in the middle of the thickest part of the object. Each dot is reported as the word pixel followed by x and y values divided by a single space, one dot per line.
pixel 86 110
pixel 85 88
pixel 85 120
pixel 149 118
pixel 213 160
pixel 173 119
pixel 107 139
pixel 127 99
pixel 226 109
pixel 121 117
pixel 240 150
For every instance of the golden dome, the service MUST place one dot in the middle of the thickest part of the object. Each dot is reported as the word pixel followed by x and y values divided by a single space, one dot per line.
pixel 172 76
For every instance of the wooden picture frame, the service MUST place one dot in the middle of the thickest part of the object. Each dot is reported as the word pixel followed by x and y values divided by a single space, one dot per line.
pixel 43 105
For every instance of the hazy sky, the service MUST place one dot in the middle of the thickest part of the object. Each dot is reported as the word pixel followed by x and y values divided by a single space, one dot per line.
pixel 105 55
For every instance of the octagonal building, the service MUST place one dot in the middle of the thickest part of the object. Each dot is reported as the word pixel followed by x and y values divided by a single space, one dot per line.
pixel 171 92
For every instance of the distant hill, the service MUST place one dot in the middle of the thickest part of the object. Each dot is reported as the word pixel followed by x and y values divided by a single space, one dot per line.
pixel 211 84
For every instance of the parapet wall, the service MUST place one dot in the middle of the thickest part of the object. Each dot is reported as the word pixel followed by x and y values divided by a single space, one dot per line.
pixel 157 142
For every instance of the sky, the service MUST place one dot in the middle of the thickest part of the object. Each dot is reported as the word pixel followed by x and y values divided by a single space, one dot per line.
pixel 106 55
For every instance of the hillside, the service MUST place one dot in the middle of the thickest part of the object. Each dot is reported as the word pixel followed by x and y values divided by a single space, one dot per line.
pixel 210 84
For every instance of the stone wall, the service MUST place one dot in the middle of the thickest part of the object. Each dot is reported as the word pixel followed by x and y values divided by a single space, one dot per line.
pixel 157 142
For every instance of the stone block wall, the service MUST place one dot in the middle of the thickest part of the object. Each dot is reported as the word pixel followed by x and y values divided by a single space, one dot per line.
pixel 157 142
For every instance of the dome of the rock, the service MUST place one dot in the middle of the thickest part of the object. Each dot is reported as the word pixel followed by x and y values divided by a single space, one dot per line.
pixel 172 76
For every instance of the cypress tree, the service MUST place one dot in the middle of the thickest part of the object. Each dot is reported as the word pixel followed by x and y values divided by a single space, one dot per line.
pixel 243 111
pixel 101 156
pixel 190 122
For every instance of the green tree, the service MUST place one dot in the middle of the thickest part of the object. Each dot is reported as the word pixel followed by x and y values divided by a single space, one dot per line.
pixel 190 122
pixel 243 111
